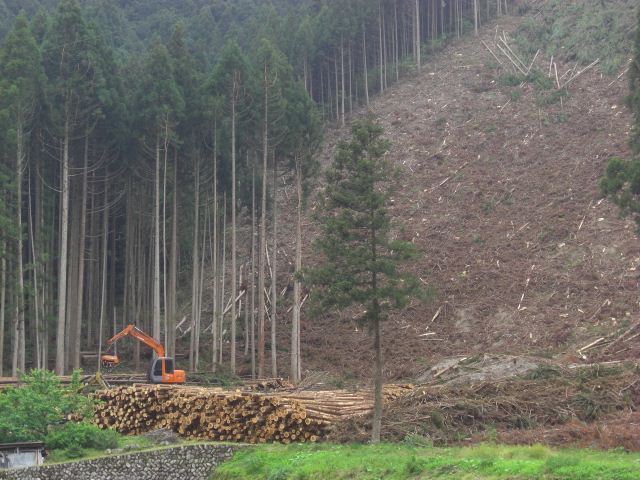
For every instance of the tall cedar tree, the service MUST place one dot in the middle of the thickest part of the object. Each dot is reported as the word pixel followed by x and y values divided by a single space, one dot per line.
pixel 161 103
pixel 303 136
pixel 231 75
pixel 21 77
pixel 275 74
pixel 622 177
pixel 74 85
pixel 360 259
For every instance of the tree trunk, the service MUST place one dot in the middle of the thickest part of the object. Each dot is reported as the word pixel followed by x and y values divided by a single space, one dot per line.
pixel 173 264
pixel 200 289
pixel 3 301
pixel 384 49
pixel 83 231
pixel 380 47
pixel 36 304
pixel 129 235
pixel 343 81
pixel 335 65
pixel 224 271
pixel 232 362
pixel 350 81
pixel 246 291
pixel 475 16
pixel 141 286
pixel 62 273
pixel 195 256
pixel 15 335
pixel 418 37
pixel 322 95
pixel 105 246
pixel 156 247
pixel 91 273
pixel 274 278
pixel 396 48
pixel 214 253
pixel 19 342
pixel 295 324
pixel 364 63
pixel 72 274
pixel 263 232
pixel 377 408
pixel 41 264
pixel 253 272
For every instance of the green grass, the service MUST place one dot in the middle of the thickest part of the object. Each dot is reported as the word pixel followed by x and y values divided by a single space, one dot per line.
pixel 411 461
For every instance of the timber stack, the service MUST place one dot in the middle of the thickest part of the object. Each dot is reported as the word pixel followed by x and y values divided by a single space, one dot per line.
pixel 211 414
pixel 237 416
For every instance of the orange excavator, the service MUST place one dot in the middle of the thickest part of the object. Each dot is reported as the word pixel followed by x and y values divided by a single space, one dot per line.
pixel 161 369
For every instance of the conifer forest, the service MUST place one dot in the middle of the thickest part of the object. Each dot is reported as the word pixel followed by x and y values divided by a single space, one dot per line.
pixel 140 138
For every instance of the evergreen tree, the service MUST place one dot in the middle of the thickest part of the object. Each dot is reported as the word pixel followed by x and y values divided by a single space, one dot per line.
pixel 21 77
pixel 361 261
pixel 74 81
pixel 303 133
pixel 232 78
pixel 274 75
pixel 161 104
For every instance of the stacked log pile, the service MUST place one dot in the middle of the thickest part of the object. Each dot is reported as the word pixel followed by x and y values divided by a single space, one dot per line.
pixel 216 414
pixel 211 414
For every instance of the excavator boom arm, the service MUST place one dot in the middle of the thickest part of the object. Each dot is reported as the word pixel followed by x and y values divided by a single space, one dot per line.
pixel 135 332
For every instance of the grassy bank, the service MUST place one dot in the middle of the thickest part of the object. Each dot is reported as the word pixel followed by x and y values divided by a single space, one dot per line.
pixel 400 461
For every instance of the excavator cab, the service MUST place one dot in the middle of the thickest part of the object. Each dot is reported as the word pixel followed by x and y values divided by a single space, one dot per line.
pixel 162 370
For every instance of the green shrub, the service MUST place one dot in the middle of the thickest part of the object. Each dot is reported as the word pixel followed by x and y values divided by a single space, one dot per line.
pixel 26 412
pixel 81 435
pixel 539 80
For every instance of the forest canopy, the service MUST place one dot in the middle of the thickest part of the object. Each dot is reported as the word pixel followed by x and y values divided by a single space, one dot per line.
pixel 141 148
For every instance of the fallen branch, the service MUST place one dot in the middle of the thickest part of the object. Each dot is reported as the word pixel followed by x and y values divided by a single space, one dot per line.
pixel 491 52
pixel 591 65
pixel 619 76
pixel 532 62
pixel 621 337
pixel 594 365
pixel 591 345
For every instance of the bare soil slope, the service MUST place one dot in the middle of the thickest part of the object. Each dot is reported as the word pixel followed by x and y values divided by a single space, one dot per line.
pixel 499 192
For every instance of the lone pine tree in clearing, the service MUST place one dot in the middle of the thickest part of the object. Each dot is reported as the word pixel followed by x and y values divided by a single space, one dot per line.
pixel 622 177
pixel 360 259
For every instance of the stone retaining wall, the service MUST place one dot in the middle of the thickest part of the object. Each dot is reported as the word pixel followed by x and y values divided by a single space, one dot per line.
pixel 177 463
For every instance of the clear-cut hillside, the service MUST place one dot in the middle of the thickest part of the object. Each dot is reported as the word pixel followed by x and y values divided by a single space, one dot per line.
pixel 499 192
